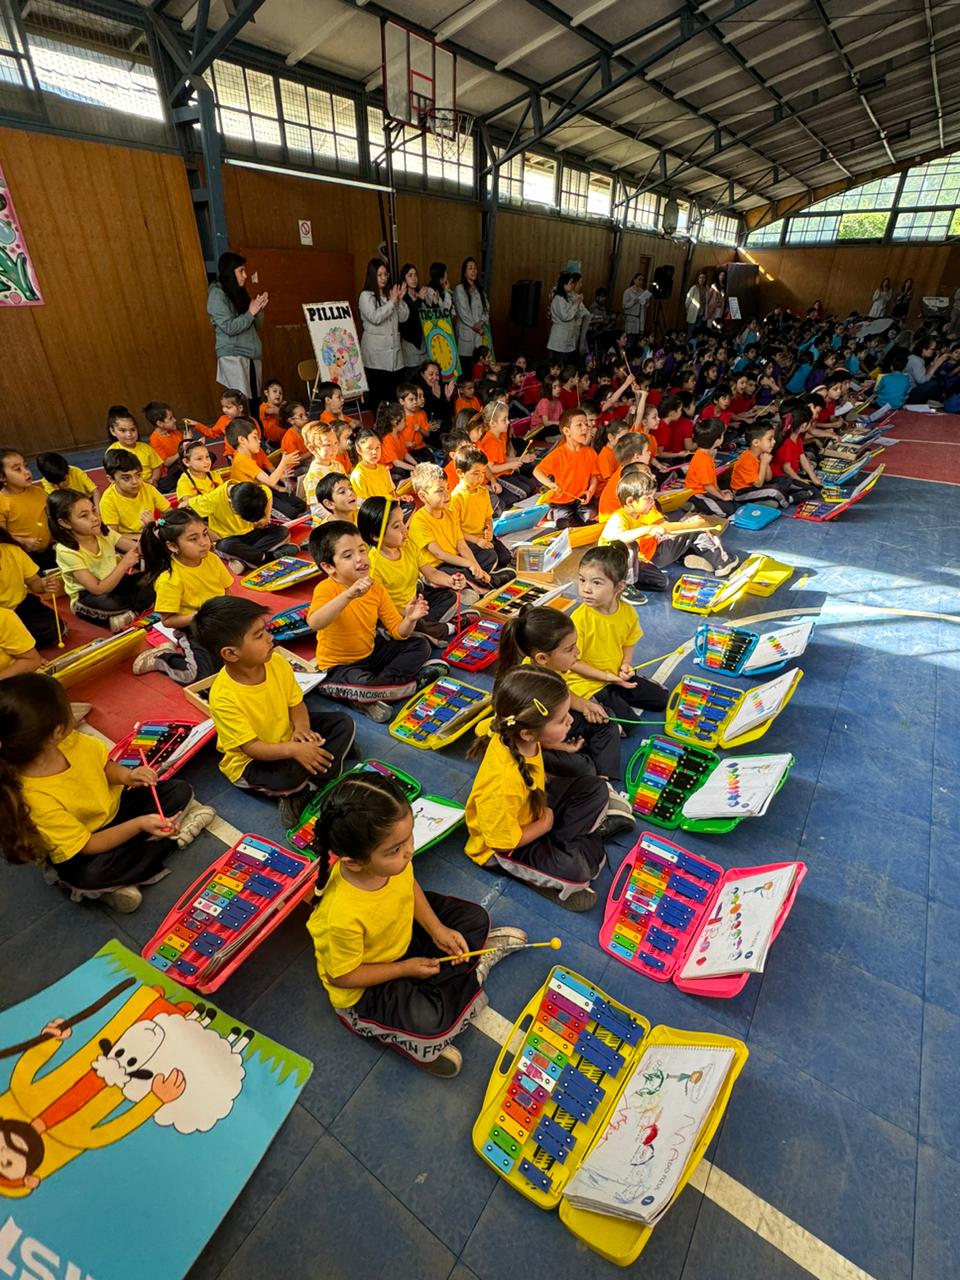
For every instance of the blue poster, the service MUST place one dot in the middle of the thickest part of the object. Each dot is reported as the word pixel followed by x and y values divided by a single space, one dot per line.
pixel 132 1112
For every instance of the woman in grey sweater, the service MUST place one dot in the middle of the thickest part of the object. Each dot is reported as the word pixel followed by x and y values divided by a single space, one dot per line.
pixel 237 319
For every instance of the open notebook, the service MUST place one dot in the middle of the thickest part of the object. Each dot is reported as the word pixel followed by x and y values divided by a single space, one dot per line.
pixel 779 646
pixel 759 704
pixel 736 937
pixel 740 786
pixel 432 820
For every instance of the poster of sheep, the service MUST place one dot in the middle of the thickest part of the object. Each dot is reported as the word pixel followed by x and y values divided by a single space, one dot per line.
pixel 132 1112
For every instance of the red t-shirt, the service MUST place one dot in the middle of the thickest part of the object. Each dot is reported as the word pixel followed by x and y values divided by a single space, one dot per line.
pixel 680 432
pixel 711 411
pixel 790 451
pixel 569 397
pixel 654 396
pixel 742 404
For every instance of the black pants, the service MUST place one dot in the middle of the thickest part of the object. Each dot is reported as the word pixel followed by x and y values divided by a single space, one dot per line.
pixel 600 753
pixel 387 673
pixel 255 548
pixel 623 703
pixel 288 504
pixel 132 594
pixel 168 481
pixel 38 619
pixel 490 558
pixel 138 860
pixel 649 575
pixel 188 663
pixel 569 856
pixel 775 491
pixel 569 514
pixel 706 504
pixel 286 777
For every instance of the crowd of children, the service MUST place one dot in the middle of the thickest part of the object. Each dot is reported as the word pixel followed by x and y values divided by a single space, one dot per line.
pixel 401 514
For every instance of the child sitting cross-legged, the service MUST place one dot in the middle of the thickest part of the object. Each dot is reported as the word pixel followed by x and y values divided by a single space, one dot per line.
pixel 91 823
pixel 22 508
pixel 571 472
pixel 378 937
pixel 128 502
pixel 701 478
pixel 652 542
pixel 470 503
pixel 238 516
pixel 630 449
pixel 544 831
pixel 436 532
pixel 364 668
pixel 244 436
pixel 789 459
pixel 101 571
pixel 269 739
pixel 751 479
pixel 370 478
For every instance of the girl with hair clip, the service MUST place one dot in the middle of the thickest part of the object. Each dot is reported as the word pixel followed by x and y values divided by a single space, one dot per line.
pixel 197 475
pixel 176 550
pixel 379 939
pixel 100 571
pixel 502 463
pixel 90 823
pixel 547 639
pixel 544 831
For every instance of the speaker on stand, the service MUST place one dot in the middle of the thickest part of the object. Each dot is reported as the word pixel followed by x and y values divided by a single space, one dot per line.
pixel 525 303
pixel 662 288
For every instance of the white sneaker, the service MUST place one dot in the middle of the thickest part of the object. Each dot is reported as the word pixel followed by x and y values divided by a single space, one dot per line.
pixel 727 567
pixel 120 621
pixel 149 660
pixel 619 803
pixel 446 1064
pixel 236 567
pixel 196 818
pixel 693 561
pixel 504 939
pixel 123 900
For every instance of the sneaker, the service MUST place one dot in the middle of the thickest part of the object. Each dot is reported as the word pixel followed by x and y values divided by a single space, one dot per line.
pixel 151 658
pixel 120 621
pixel 468 596
pixel 291 807
pixel 467 619
pixel 615 824
pixel 430 671
pixel 619 803
pixel 236 567
pixel 579 900
pixel 379 711
pixel 196 818
pixel 123 900
pixel 500 577
pixel 446 1064
pixel 634 596
pixel 438 633
pixel 693 561
pixel 727 567
pixel 504 939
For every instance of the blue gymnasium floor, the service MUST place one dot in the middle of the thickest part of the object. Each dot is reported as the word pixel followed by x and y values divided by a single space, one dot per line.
pixel 845 1119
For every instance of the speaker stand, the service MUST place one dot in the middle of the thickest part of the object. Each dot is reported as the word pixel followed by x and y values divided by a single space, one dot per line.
pixel 657 319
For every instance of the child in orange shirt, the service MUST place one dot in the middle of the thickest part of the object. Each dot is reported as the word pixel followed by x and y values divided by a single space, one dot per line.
pixel 233 405
pixel 502 463
pixel 466 397
pixel 415 426
pixel 270 411
pixel 243 435
pixel 394 452
pixel 345 428
pixel 572 472
pixel 751 480
pixel 629 450
pixel 608 436
pixel 701 477
pixel 166 439
pixel 293 418
pixel 468 429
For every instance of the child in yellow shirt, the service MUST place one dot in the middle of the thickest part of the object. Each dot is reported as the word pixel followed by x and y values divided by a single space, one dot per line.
pixel 238 516
pixel 243 435
pixel 128 502
pixel 436 531
pixel 21 589
pixel 23 512
pixel 18 649
pixel 123 433
pixel 101 571
pixel 364 668
pixel 470 504
pixel 57 473
pixel 269 739
pixel 197 475
pixel 370 479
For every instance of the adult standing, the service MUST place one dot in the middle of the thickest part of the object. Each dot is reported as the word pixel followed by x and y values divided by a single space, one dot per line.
pixel 695 305
pixel 472 309
pixel 717 300
pixel 901 308
pixel 412 347
pixel 634 302
pixel 237 319
pixel 438 292
pixel 382 311
pixel 880 302
pixel 568 311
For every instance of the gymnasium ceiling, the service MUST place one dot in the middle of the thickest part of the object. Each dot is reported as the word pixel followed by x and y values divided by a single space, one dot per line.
pixel 754 105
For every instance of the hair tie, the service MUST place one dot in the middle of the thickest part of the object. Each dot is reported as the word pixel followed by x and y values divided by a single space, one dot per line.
pixel 510 721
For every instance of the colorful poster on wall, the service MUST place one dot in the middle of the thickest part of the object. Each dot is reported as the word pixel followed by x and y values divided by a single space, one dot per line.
pixel 131 1115
pixel 336 346
pixel 18 280
pixel 440 341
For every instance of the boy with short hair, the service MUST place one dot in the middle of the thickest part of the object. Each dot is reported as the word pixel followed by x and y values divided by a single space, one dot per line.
pixel 751 479
pixel 415 427
pixel 466 396
pixel 470 504
pixel 364 668
pixel 330 397
pixel 571 471
pixel 128 503
pixel 336 499
pixel 165 439
pixel 701 479
pixel 435 530
pixel 270 740
pixel 630 449
pixel 370 479
pixel 243 435
pixel 238 516
pixel 57 473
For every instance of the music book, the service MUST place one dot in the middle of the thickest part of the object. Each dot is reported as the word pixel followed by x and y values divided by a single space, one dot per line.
pixel 759 704
pixel 779 646
pixel 736 936
pixel 432 821
pixel 740 786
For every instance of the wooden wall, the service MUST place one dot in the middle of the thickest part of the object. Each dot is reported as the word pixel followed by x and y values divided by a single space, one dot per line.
pixel 113 240
pixel 844 277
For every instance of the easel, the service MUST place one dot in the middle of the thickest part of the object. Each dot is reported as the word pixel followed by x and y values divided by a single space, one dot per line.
pixel 656 318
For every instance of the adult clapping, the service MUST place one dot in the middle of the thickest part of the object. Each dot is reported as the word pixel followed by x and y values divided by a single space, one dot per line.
pixel 237 319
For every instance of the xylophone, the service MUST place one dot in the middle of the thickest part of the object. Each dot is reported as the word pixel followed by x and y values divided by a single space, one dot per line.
pixel 834 501
pixel 839 471
pixel 703 711
pixel 96 656
pixel 289 624
pixel 439 714
pixel 280 574
pixel 301 836
pixel 228 911
pixel 506 602
pixel 476 647
pixel 725 649
pixel 166 745
pixel 660 902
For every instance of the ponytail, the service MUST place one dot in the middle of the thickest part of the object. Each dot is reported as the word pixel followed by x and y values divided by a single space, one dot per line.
pixel 534 630
pixel 160 535
pixel 32 708
pixel 356 812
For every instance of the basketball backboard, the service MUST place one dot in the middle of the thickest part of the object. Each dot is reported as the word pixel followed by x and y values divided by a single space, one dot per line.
pixel 419 75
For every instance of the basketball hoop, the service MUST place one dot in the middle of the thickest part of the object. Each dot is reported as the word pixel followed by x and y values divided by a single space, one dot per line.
pixel 449 127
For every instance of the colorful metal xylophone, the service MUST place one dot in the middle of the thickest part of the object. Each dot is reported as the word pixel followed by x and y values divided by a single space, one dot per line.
pixel 289 624
pixel 439 714
pixel 279 574
pixel 476 647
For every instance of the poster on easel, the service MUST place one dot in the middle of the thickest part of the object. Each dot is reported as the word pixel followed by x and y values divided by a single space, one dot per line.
pixel 18 280
pixel 440 341
pixel 336 347
pixel 733 308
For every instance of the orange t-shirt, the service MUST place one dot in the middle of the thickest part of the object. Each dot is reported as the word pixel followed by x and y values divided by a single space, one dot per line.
pixel 292 442
pixel 392 449
pixel 571 471
pixel 415 427
pixel 609 502
pixel 343 462
pixel 165 443
pixel 244 468
pixel 452 474
pixel 495 448
pixel 746 471
pixel 270 425
pixel 701 471
pixel 473 403
pixel 216 431
pixel 607 462
pixel 639 431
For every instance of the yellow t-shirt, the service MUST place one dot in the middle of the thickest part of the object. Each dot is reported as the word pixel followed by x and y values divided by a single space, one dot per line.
pixel 215 508
pixel 602 638
pixel 67 808
pixel 76 480
pixel 191 486
pixel 24 515
pixel 473 509
pixel 499 806
pixel 352 926
pixel 15 568
pixel 184 588
pixel 442 528
pixel 623 522
pixel 243 712
pixel 398 577
pixel 100 563
pixel 124 513
pixel 350 637
pixel 371 482
pixel 15 639
pixel 149 458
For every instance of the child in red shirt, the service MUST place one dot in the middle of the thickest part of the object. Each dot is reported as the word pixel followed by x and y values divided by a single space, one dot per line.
pixel 789 461
pixel 571 471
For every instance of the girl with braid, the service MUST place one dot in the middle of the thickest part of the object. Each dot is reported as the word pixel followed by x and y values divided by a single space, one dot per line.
pixel 543 831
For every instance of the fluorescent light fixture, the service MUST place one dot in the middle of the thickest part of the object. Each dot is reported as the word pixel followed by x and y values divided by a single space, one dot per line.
pixel 304 173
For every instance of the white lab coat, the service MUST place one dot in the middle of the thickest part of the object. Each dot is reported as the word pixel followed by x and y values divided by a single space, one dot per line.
pixel 380 343
pixel 470 309
pixel 567 314
pixel 880 303
pixel 696 304
pixel 635 309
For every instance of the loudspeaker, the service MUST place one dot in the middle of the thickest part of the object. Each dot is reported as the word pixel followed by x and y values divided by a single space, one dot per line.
pixel 662 286
pixel 525 302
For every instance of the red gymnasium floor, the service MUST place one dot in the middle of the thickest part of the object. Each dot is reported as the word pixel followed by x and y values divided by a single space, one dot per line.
pixel 929 447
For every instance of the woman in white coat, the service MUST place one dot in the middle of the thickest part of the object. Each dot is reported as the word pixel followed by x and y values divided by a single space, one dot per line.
pixel 472 309
pixel 568 311
pixel 381 309
pixel 634 305
pixel 880 302
pixel 695 305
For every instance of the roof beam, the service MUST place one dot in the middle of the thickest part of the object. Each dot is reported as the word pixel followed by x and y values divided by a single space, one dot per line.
pixel 854 78
pixel 933 67
pixel 457 21
pixel 318 35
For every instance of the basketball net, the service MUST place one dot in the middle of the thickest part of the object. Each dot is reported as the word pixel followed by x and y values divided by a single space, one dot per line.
pixel 449 127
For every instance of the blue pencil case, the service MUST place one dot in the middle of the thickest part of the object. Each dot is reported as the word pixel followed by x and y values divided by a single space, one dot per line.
pixel 518 518
pixel 753 516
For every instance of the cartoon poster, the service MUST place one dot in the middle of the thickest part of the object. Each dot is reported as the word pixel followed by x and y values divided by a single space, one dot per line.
pixel 131 1114
pixel 18 281
pixel 439 340
pixel 336 346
